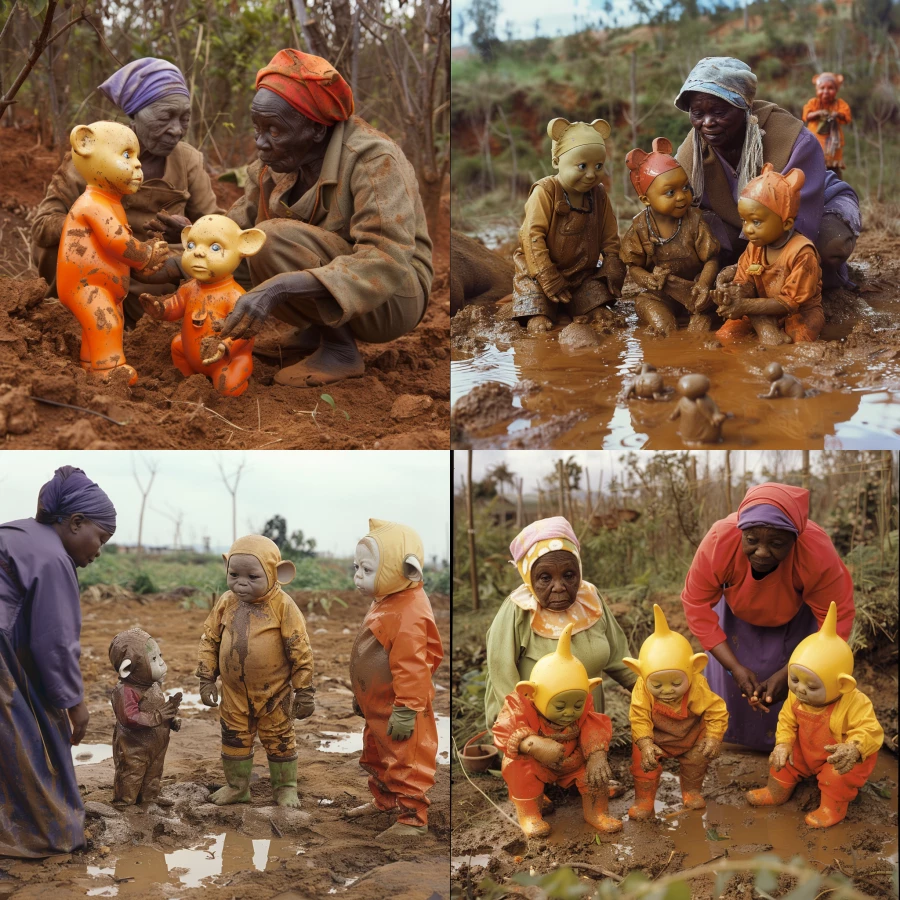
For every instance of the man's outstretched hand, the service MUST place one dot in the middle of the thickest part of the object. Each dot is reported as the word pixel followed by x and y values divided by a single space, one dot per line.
pixel 170 227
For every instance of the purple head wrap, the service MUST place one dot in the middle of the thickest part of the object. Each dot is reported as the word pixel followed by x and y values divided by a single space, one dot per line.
pixel 70 491
pixel 143 81
pixel 767 516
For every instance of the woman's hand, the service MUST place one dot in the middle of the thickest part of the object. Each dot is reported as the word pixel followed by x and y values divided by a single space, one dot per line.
pixel 542 750
pixel 598 772
pixel 773 690
pixel 170 227
pixel 843 756
pixel 782 754
pixel 746 681
pixel 650 754
pixel 79 717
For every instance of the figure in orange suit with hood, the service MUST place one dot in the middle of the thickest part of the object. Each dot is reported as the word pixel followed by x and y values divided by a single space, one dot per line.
pixel 394 656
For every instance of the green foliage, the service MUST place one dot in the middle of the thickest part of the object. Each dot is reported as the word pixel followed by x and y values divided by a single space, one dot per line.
pixel 437 581
pixel 142 583
pixel 325 603
pixel 560 884
pixel 322 575
pixel 295 547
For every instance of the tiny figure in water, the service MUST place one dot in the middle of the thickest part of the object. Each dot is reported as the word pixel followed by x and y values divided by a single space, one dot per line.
pixel 674 713
pixel 826 728
pixel 213 248
pixel 777 288
pixel 144 717
pixel 569 230
pixel 647 385
pixel 549 733
pixel 669 249
pixel 783 385
pixel 97 250
pixel 824 115
pixel 396 652
pixel 701 421
pixel 255 638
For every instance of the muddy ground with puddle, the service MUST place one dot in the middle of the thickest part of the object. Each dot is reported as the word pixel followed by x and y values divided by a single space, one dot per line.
pixel 568 396
pixel 247 851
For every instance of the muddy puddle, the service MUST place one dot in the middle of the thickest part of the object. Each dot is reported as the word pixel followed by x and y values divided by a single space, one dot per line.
pixel 351 741
pixel 852 378
pixel 88 754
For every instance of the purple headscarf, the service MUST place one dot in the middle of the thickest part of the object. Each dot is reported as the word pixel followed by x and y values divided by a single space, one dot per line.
pixel 767 516
pixel 143 81
pixel 70 491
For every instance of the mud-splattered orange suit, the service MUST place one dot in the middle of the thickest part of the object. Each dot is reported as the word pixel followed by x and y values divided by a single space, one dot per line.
pixel 203 307
pixel 96 253
pixel 394 656
pixel 261 650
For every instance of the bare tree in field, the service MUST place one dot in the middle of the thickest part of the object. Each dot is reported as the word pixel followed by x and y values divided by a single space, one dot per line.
pixel 232 488
pixel 152 467
pixel 176 517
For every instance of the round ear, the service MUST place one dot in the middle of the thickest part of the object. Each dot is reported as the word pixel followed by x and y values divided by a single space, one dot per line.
pixel 788 223
pixel 662 145
pixel 184 234
pixel 556 128
pixel 601 126
pixel 815 80
pixel 846 683
pixel 526 689
pixel 633 664
pixel 839 79
pixel 698 662
pixel 795 179
pixel 593 682
pixel 83 140
pixel 225 558
pixel 285 571
pixel 125 670
pixel 251 241
pixel 634 158
pixel 767 167
pixel 412 569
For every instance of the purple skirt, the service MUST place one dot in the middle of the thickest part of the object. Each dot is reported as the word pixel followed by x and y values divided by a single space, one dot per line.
pixel 763 650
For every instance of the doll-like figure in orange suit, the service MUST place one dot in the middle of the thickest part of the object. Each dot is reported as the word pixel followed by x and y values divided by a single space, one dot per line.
pixel 826 728
pixel 98 250
pixel 213 249
pixel 549 733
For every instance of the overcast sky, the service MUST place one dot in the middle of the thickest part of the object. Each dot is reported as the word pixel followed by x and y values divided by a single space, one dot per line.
pixel 329 495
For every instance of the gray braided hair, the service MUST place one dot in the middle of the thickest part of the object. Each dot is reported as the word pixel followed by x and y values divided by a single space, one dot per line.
pixel 749 165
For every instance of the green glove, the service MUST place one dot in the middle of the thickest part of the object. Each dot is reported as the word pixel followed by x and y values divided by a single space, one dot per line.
pixel 304 702
pixel 401 723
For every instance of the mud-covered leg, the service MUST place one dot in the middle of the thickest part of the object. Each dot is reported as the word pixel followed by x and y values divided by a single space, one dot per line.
pixel 370 760
pixel 693 765
pixel 102 328
pixel 237 757
pixel 276 732
pixel 655 314
pixel 231 377
pixel 769 331
pixel 179 360
pixel 700 322
pixel 153 775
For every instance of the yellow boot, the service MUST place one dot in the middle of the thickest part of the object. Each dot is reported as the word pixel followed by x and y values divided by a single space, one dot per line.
pixel 595 807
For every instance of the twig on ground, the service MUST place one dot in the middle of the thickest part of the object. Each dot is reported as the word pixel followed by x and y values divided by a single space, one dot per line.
pixel 200 405
pixel 278 441
pixel 92 412
pixel 663 869
pixel 509 819
pixel 599 870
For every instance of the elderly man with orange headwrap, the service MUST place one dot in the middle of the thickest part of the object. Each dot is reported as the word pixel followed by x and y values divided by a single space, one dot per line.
pixel 347 254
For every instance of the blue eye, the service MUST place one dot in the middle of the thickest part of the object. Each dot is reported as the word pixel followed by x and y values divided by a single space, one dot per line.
pixel 127 154
pixel 191 245
pixel 216 247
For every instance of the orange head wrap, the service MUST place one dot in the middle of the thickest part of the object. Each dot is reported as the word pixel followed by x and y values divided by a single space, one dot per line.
pixel 645 167
pixel 777 192
pixel 310 84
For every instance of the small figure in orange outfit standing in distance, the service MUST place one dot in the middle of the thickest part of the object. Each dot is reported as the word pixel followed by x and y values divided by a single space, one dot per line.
pixel 97 249
pixel 824 115
pixel 213 248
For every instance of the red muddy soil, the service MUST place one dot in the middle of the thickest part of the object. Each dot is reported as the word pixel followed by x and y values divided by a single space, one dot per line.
pixel 402 402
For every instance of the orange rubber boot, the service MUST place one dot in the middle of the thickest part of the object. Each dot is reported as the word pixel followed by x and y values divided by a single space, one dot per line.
pixel 829 813
pixel 691 776
pixel 595 808
pixel 528 812
pixel 773 794
pixel 644 795
pixel 546 805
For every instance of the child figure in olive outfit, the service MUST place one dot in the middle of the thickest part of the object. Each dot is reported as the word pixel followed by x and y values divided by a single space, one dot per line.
pixel 255 639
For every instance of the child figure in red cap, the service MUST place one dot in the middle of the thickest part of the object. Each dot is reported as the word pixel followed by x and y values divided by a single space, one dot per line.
pixel 669 250
pixel 824 115
pixel 777 289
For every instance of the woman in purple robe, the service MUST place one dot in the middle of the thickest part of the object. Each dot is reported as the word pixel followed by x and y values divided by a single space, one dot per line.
pixel 42 708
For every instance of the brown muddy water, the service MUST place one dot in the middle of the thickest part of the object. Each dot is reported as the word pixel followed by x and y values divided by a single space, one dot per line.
pixel 852 377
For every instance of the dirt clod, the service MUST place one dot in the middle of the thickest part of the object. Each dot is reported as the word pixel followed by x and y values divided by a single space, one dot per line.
pixel 410 406
pixel 487 405
pixel 578 336
pixel 17 415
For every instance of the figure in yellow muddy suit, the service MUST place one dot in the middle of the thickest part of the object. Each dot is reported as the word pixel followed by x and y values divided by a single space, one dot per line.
pixel 396 652
pixel 144 717
pixel 255 639
pixel 673 713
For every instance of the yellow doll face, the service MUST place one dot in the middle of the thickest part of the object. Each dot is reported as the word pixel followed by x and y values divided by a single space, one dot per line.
pixel 807 687
pixel 246 577
pixel 669 194
pixel 580 168
pixel 762 226
pixel 214 245
pixel 106 156
pixel 668 685
pixel 565 707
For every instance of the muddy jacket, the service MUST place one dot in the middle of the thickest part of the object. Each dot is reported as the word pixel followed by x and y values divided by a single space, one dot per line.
pixel 261 650
pixel 367 194
pixel 184 190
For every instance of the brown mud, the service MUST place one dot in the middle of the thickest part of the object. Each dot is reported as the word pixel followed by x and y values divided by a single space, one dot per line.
pixel 852 375
pixel 253 851
pixel 40 341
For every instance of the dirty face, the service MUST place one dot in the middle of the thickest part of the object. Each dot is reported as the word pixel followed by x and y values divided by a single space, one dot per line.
pixel 762 226
pixel 826 91
pixel 365 565
pixel 580 169
pixel 837 250
pixel 806 686
pixel 765 548
pixel 106 156
pixel 286 140
pixel 669 194
pixel 719 123
pixel 82 539
pixel 162 124
pixel 212 248
pixel 158 667
pixel 246 577
pixel 668 685
pixel 555 579
pixel 565 707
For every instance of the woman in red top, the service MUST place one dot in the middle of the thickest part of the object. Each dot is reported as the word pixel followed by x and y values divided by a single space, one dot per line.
pixel 760 582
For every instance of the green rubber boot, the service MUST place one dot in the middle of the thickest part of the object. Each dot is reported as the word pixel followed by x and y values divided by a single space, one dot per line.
pixel 284 782
pixel 237 774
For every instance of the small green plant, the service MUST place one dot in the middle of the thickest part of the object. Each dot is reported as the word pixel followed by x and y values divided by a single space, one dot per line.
pixel 326 603
pixel 325 398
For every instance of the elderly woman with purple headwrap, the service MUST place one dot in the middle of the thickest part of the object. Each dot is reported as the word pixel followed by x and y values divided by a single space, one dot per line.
pixel 733 136
pixel 553 594
pixel 176 190
pixel 42 708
